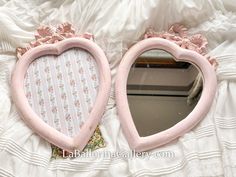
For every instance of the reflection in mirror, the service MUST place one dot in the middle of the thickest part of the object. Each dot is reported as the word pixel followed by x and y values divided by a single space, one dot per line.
pixel 161 92
pixel 62 89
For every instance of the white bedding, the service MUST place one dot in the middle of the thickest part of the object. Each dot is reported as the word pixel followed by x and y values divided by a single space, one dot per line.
pixel 209 150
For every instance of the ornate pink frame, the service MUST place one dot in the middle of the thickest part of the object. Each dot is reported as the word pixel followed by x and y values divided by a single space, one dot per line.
pixel 138 143
pixel 34 121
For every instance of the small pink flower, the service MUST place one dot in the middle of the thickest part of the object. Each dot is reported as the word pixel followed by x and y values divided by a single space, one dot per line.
pixel 68 64
pixel 87 36
pixel 27 85
pixel 36 73
pixel 43 31
pixel 38 82
pixel 66 30
pixel 28 95
pixel 46 69
pixel 54 109
pixel 77 103
pixel 52 99
pixel 59 76
pixel 39 92
pixel 41 102
pixel 86 90
pixel 88 100
pixel 20 51
pixel 79 115
pixel 72 82
pixel 179 29
pixel 50 89
pixel 63 96
pixel 94 77
pixel 56 121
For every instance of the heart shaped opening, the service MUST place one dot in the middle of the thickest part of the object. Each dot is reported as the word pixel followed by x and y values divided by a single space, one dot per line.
pixel 62 89
pixel 161 91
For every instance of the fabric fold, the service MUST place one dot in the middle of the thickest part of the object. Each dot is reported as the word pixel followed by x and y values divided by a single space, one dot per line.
pixel 207 150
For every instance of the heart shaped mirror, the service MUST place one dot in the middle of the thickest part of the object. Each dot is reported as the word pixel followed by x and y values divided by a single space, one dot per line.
pixel 71 84
pixel 162 92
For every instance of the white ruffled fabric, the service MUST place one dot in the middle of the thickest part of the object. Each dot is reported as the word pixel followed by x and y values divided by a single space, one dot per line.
pixel 209 150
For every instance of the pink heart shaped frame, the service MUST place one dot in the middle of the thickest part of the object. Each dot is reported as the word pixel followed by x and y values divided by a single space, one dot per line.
pixel 55 137
pixel 138 143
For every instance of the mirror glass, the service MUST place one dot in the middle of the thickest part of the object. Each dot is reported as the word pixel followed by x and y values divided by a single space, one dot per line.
pixel 161 92
pixel 62 89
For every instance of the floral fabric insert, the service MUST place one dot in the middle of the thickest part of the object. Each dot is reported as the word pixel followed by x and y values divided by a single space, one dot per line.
pixel 62 90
